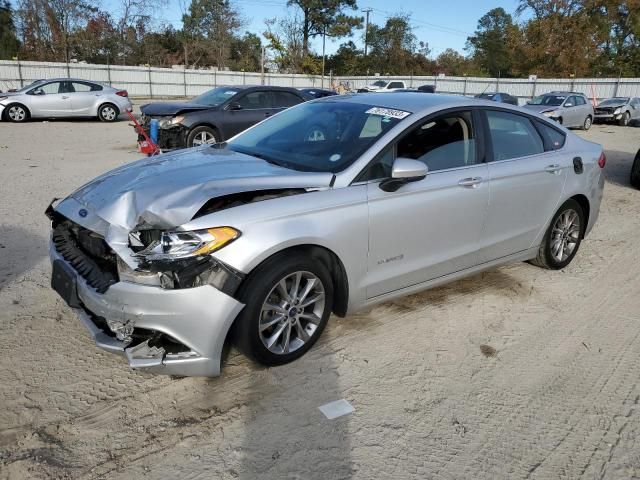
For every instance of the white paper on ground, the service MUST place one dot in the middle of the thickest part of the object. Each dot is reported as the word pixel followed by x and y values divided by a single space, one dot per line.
pixel 336 409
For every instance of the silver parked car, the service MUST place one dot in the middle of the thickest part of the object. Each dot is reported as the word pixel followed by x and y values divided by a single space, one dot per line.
pixel 331 206
pixel 570 109
pixel 621 110
pixel 64 97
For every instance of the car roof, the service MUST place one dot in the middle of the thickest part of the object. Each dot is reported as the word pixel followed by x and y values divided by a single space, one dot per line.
pixel 404 100
pixel 560 92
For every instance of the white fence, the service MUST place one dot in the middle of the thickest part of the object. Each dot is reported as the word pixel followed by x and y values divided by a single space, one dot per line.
pixel 168 82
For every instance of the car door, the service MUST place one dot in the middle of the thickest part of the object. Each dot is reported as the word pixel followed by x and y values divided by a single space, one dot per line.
pixel 428 228
pixel 50 100
pixel 526 179
pixel 571 114
pixel 247 110
pixel 584 109
pixel 634 109
pixel 83 98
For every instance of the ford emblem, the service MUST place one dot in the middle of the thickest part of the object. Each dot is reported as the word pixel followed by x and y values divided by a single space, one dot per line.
pixel 82 212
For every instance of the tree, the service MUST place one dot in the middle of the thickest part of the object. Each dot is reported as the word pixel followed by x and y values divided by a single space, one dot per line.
pixel 490 43
pixel 326 16
pixel 8 40
pixel 286 40
pixel 246 53
pixel 213 24
pixel 451 62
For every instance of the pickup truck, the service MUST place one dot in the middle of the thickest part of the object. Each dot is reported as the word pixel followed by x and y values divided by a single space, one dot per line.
pixel 384 86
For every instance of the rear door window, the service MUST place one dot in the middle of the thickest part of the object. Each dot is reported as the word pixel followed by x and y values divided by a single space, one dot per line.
pixel 512 136
pixel 255 101
pixel 285 99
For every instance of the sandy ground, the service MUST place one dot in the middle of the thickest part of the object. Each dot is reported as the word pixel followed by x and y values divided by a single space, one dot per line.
pixel 559 400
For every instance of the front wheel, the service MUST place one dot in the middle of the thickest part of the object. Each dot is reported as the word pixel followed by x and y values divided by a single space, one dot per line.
pixel 635 171
pixel 202 136
pixel 288 302
pixel 587 123
pixel 624 121
pixel 563 237
pixel 16 113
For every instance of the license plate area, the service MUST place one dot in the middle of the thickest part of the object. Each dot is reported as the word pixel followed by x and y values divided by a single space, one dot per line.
pixel 64 281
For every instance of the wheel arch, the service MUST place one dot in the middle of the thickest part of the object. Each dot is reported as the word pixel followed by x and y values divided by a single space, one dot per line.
pixel 102 104
pixel 583 201
pixel 331 261
pixel 204 123
pixel 5 112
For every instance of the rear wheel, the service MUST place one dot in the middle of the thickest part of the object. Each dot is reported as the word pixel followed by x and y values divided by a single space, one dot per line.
pixel 624 120
pixel 202 135
pixel 288 302
pixel 16 113
pixel 587 123
pixel 563 237
pixel 108 112
pixel 635 171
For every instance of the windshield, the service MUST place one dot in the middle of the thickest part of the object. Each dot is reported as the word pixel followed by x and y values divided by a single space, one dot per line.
pixel 379 83
pixel 552 100
pixel 325 136
pixel 614 101
pixel 216 96
pixel 31 85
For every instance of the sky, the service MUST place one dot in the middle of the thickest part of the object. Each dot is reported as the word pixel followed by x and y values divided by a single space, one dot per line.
pixel 443 24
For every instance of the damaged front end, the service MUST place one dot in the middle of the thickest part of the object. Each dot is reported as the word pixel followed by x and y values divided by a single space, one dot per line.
pixel 172 134
pixel 170 315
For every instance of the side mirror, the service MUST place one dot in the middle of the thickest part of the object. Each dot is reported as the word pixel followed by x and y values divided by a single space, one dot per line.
pixel 528 102
pixel 404 170
pixel 569 104
pixel 37 91
pixel 234 106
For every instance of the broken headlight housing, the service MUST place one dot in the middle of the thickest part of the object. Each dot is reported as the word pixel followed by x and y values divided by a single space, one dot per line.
pixel 179 245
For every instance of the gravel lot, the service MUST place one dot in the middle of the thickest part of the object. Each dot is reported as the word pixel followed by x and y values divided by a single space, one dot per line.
pixel 561 399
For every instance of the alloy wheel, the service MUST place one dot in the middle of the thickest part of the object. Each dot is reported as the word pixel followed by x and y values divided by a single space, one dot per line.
pixel 203 138
pixel 109 113
pixel 587 123
pixel 292 312
pixel 17 113
pixel 565 235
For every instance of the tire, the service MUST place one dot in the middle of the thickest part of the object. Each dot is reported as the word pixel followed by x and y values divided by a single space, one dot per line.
pixel 108 112
pixel 202 135
pixel 16 113
pixel 262 291
pixel 624 121
pixel 549 248
pixel 635 172
pixel 587 123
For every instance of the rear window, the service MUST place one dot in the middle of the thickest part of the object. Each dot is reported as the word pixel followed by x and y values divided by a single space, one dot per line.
pixel 554 139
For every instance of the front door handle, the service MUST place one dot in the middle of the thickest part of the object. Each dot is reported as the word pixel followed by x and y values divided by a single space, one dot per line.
pixel 471 182
pixel 64 97
pixel 555 168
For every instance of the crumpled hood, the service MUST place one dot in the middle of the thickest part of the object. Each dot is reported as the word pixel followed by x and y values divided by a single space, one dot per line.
pixel 166 191
pixel 161 109
pixel 541 108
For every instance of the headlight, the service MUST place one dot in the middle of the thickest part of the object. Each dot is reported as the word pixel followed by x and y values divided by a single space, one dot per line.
pixel 549 113
pixel 176 120
pixel 617 111
pixel 175 245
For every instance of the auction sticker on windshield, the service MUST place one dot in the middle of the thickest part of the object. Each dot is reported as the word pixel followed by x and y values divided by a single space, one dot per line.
pixel 388 112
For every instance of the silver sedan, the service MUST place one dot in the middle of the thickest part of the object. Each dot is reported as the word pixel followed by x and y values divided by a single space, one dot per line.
pixel 64 97
pixel 331 206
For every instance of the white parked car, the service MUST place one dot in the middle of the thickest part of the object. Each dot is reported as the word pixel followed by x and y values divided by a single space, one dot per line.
pixel 64 97
pixel 380 86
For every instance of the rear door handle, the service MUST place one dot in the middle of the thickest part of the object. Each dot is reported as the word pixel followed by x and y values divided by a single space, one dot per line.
pixel 555 168
pixel 470 182
pixel 64 97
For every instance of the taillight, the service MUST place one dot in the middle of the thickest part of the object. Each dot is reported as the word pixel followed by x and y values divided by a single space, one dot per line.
pixel 602 161
pixel 122 93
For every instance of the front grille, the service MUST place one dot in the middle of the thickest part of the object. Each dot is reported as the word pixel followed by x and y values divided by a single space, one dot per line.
pixel 87 253
pixel 604 111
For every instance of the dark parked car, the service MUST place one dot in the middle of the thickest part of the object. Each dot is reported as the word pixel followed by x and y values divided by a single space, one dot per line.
pixel 427 88
pixel 498 97
pixel 318 92
pixel 217 115
pixel 635 171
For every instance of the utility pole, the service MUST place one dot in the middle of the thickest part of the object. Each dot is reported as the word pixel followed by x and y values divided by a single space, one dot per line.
pixel 324 36
pixel 366 29
pixel 262 66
